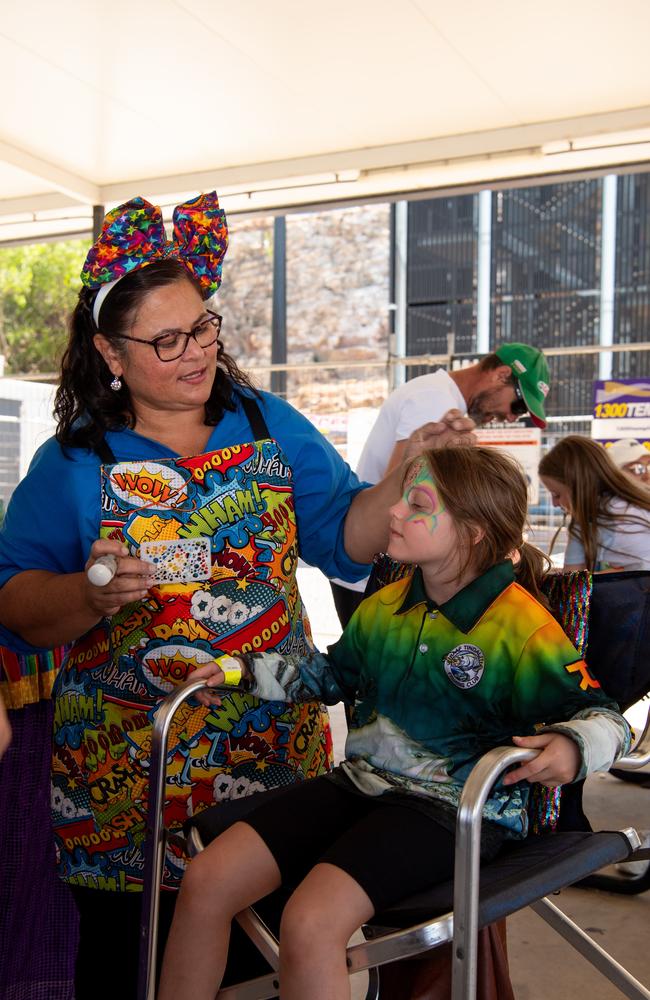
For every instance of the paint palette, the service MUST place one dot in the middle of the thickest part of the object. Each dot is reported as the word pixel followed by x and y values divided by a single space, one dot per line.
pixel 181 560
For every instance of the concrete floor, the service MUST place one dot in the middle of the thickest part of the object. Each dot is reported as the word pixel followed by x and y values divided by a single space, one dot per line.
pixel 543 966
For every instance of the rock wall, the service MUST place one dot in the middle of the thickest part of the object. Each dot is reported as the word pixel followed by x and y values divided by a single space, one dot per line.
pixel 337 303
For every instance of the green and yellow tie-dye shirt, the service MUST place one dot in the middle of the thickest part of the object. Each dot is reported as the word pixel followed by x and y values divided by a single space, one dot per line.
pixel 433 688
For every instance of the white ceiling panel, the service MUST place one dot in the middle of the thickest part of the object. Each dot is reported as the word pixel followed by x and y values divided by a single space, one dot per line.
pixel 272 101
pixel 558 59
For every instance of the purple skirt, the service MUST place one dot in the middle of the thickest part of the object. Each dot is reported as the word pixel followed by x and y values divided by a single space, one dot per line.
pixel 38 918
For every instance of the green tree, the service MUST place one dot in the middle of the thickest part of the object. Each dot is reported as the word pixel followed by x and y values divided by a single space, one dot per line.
pixel 38 290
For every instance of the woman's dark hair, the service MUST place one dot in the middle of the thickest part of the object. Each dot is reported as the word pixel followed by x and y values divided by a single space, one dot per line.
pixel 484 488
pixel 85 406
pixel 593 481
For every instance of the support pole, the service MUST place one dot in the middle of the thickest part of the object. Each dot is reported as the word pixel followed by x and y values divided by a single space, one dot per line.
pixel 607 275
pixel 98 217
pixel 396 374
pixel 483 275
pixel 279 317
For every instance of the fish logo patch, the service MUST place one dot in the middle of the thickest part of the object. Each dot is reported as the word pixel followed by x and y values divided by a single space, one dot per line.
pixel 464 665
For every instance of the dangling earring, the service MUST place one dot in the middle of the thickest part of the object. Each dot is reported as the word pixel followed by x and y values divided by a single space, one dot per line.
pixel 116 384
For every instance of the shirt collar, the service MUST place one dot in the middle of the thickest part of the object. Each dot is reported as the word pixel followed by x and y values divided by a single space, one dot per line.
pixel 469 605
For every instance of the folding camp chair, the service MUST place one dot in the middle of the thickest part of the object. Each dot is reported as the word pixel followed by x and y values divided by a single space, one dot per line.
pixel 523 875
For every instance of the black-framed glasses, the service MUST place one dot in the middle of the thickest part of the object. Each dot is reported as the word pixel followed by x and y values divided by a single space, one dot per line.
pixel 518 407
pixel 170 346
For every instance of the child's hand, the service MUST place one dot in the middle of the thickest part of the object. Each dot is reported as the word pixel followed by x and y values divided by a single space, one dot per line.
pixel 558 763
pixel 214 677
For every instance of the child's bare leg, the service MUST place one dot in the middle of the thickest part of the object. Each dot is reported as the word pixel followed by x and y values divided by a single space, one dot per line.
pixel 234 871
pixel 317 923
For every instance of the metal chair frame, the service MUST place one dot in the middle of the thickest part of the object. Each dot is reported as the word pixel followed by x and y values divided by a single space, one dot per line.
pixel 459 926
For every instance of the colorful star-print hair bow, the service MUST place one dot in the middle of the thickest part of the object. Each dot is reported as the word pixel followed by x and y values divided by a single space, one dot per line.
pixel 133 235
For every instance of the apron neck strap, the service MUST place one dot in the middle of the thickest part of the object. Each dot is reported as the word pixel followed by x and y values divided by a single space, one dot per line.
pixel 255 418
pixel 249 406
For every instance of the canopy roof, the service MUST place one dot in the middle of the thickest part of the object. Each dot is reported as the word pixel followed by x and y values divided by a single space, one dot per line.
pixel 285 103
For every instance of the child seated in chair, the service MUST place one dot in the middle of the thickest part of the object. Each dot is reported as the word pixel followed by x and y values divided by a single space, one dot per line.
pixel 439 668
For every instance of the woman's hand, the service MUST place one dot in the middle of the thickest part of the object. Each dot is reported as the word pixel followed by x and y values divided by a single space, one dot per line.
pixel 131 582
pixel 452 429
pixel 366 524
pixel 557 764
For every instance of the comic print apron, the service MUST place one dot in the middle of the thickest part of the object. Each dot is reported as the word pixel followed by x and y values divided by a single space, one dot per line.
pixel 241 500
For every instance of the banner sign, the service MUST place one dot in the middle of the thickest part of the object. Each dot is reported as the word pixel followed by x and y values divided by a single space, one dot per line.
pixel 621 410
pixel 522 443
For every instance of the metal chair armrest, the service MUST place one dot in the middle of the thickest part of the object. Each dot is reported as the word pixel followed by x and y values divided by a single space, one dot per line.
pixel 154 850
pixel 467 863
pixel 640 753
pixel 468 847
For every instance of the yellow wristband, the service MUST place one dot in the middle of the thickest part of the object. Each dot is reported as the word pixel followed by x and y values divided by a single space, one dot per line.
pixel 232 672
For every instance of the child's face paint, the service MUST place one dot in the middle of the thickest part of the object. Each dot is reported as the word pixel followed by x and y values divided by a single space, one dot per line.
pixel 421 530
pixel 422 498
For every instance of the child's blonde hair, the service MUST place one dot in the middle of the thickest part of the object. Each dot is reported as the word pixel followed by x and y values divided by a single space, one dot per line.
pixel 484 488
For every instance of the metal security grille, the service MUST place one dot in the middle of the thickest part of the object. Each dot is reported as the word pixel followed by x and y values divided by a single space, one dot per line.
pixel 441 276
pixel 442 249
pixel 545 279
pixel 632 293
pixel 429 325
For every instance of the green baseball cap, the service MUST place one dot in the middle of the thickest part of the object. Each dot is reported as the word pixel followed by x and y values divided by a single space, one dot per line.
pixel 529 367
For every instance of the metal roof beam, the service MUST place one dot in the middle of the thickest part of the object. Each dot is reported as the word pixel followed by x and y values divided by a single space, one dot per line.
pixel 34 204
pixel 525 138
pixel 67 183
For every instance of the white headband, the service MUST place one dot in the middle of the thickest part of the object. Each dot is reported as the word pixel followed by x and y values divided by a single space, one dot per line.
pixel 101 295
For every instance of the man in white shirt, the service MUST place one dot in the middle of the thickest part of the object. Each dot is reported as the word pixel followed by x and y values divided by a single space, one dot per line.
pixel 512 382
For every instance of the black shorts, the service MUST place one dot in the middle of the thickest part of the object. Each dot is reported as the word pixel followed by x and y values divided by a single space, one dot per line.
pixel 390 850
